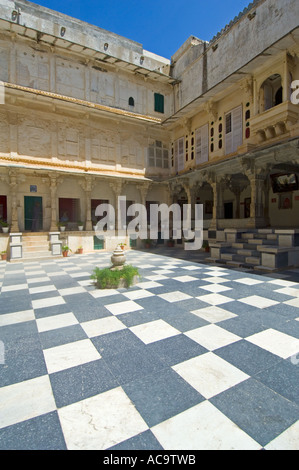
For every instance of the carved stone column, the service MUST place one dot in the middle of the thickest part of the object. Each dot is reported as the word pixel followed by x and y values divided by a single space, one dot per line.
pixel 53 191
pixel 13 183
pixel 217 186
pixel 117 187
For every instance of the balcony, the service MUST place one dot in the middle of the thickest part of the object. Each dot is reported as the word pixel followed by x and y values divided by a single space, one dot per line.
pixel 275 123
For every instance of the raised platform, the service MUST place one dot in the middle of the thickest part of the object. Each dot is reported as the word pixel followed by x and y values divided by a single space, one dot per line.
pixel 261 249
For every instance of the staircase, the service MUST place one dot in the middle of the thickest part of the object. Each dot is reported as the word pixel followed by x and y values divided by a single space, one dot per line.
pixel 36 245
pixel 259 249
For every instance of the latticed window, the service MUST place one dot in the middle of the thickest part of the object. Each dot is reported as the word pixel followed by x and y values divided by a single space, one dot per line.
pixel 179 152
pixel 202 144
pixel 233 130
pixel 158 155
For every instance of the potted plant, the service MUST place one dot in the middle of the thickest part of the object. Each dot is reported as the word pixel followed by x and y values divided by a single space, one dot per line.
pixel 80 250
pixel 80 225
pixel 65 250
pixel 170 242
pixel 122 245
pixel 61 226
pixel 3 255
pixel 148 243
pixel 205 246
pixel 5 226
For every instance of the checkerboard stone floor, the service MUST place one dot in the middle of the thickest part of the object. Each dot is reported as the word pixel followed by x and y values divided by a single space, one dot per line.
pixel 192 357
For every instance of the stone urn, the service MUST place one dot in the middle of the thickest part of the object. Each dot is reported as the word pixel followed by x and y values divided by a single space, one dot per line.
pixel 118 258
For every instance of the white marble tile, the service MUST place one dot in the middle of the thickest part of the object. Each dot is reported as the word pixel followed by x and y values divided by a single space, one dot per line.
pixel 293 302
pixel 16 317
pixel 283 283
pixel 148 284
pixel 212 337
pixel 48 302
pixel 258 301
pixel 215 288
pixel 209 374
pixel 102 326
pixel 185 278
pixel 217 273
pixel 127 306
pixel 248 281
pixel 214 299
pixel 213 314
pixel 276 342
pixel 98 293
pixel 191 268
pixel 15 287
pixel 202 427
pixel 138 294
pixel 156 277
pixel 72 291
pixel 37 280
pixel 291 291
pixel 288 440
pixel 70 355
pixel 100 422
pixel 154 331
pixel 25 400
pixel 175 296
pixel 55 322
pixel 215 279
pixel 40 289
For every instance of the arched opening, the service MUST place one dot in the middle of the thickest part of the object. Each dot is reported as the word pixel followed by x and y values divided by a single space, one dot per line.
pixel 271 92
pixel 131 101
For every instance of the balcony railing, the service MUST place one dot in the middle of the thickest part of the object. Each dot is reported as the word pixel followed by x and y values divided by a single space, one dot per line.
pixel 274 123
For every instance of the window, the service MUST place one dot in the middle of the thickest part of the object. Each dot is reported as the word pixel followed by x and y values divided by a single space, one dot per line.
pixel 271 92
pixel 159 103
pixel 131 101
pixel 202 144
pixel 179 153
pixel 158 155
pixel 233 130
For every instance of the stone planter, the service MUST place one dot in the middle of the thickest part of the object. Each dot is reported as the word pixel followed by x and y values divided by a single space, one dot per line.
pixel 5 229
pixel 118 258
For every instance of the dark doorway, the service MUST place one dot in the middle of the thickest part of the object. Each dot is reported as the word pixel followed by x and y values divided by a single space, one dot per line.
pixel 69 210
pixel 228 210
pixel 33 210
pixel 247 202
pixel 3 208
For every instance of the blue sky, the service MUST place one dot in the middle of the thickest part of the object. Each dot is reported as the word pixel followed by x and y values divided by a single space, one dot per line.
pixel 162 26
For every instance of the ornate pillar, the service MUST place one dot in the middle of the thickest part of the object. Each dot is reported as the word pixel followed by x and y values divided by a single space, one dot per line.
pixel 256 207
pixel 217 186
pixel 13 183
pixel 87 184
pixel 53 191
pixel 117 187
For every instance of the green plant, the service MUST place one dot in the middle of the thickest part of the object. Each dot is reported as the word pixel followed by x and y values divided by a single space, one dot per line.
pixel 3 252
pixel 3 223
pixel 107 278
pixel 80 223
pixel 61 224
pixel 65 248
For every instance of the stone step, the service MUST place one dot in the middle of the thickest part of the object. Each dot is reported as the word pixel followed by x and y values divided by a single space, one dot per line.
pixel 37 254
pixel 245 252
pixel 253 260
pixel 36 248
